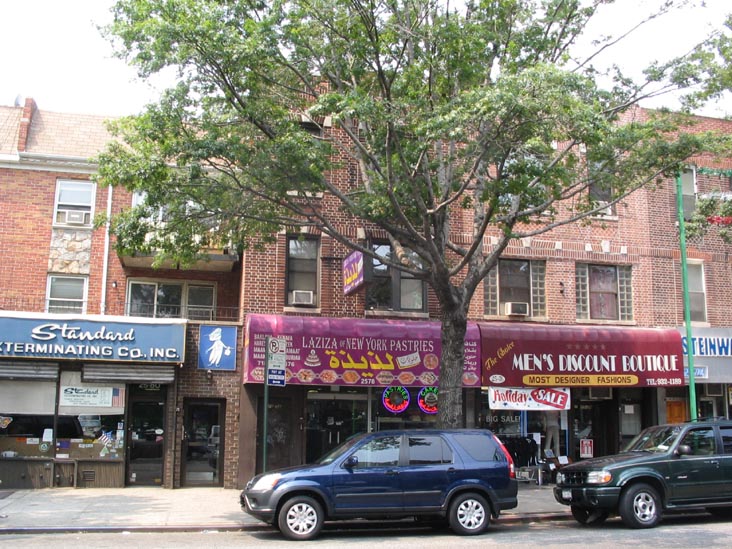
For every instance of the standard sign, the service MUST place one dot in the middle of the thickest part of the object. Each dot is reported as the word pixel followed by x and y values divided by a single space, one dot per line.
pixel 276 360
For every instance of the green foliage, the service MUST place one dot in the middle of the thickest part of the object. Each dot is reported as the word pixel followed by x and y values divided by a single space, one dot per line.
pixel 446 113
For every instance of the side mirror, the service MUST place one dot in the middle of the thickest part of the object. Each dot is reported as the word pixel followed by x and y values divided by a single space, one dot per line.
pixel 351 462
pixel 683 450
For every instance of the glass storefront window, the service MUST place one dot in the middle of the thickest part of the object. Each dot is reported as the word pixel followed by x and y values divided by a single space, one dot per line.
pixel 32 436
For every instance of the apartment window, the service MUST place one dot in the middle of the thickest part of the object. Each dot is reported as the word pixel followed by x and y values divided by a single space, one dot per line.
pixel 392 289
pixel 302 271
pixel 66 294
pixel 688 192
pixel 74 202
pixel 171 300
pixel 697 295
pixel 603 292
pixel 601 175
pixel 601 195
pixel 514 286
pixel 139 198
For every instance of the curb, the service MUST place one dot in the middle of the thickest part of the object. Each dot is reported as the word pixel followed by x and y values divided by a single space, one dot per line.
pixel 263 527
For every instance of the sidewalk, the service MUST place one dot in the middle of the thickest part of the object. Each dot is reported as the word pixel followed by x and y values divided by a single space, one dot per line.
pixel 187 509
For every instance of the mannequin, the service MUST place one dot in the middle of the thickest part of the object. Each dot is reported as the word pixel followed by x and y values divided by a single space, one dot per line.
pixel 551 442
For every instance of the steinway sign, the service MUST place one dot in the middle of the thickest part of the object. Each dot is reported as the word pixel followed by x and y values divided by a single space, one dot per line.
pixel 90 338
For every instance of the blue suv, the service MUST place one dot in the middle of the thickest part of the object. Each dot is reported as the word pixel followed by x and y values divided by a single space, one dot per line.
pixel 465 476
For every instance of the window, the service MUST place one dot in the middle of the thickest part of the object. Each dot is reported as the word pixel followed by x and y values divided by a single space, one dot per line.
pixel 604 292
pixel 392 289
pixel 515 281
pixel 66 294
pixel 139 198
pixel 601 176
pixel 74 201
pixel 171 300
pixel 428 450
pixel 697 295
pixel 688 192
pixel 726 439
pixel 701 442
pixel 302 271
pixel 380 452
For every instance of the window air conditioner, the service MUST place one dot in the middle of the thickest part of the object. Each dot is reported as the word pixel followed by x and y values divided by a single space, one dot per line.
pixel 302 297
pixel 601 393
pixel 514 308
pixel 75 217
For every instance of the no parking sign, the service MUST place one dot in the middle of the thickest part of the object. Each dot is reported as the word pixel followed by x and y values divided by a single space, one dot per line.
pixel 587 448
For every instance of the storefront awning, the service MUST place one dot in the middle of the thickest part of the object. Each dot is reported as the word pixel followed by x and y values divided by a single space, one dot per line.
pixel 533 355
pixel 355 351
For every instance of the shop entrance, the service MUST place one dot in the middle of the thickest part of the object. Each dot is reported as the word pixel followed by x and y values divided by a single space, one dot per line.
pixel 331 419
pixel 202 442
pixel 147 432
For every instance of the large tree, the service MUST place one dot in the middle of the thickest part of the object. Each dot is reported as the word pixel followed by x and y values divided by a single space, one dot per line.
pixel 462 120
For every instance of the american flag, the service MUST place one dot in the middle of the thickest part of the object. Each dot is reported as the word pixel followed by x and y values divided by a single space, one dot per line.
pixel 105 437
pixel 118 397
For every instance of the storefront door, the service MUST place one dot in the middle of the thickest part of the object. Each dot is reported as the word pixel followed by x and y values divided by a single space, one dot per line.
pixel 202 443
pixel 146 435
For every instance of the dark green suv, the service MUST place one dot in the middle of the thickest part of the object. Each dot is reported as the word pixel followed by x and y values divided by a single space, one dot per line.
pixel 683 466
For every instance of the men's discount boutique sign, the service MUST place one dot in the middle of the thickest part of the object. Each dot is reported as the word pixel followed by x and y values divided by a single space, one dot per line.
pixel 346 351
pixel 580 356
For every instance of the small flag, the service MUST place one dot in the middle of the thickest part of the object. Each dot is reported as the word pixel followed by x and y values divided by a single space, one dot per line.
pixel 118 397
pixel 105 437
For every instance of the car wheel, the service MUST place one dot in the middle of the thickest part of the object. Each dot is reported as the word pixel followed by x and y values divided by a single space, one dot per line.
pixel 720 512
pixel 640 506
pixel 469 514
pixel 589 516
pixel 300 518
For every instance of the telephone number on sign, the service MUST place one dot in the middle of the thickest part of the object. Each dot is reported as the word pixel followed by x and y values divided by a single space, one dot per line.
pixel 664 381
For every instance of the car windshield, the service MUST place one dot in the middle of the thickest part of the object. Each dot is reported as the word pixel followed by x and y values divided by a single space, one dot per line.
pixel 338 451
pixel 654 439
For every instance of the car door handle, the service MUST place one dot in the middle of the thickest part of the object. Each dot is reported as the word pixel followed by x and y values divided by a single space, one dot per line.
pixel 392 472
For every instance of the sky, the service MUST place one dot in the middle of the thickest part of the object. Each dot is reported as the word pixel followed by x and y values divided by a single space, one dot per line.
pixel 52 51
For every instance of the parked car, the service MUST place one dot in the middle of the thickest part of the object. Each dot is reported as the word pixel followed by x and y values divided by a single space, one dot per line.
pixel 462 476
pixel 667 467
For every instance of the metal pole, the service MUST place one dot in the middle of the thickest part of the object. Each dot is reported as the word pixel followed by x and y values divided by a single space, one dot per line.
pixel 687 307
pixel 265 412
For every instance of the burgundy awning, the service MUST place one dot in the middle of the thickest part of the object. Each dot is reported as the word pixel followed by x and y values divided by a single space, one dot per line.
pixel 541 355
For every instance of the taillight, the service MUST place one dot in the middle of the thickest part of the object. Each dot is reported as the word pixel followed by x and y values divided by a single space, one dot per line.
pixel 509 458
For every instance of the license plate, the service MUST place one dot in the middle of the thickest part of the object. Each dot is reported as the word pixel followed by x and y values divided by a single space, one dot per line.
pixel 567 494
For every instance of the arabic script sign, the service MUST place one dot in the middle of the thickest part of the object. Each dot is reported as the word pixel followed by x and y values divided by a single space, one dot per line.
pixel 344 351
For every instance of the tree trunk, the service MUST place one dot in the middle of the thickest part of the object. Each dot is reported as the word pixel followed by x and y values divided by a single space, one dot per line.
pixel 450 396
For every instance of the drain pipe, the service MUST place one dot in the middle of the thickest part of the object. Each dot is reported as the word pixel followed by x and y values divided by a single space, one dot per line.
pixel 105 263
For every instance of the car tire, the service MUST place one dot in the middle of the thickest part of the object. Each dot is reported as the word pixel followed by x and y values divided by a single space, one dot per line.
pixel 589 517
pixel 640 506
pixel 300 518
pixel 469 514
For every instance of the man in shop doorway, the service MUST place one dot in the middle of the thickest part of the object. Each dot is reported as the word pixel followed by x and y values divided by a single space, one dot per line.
pixel 551 440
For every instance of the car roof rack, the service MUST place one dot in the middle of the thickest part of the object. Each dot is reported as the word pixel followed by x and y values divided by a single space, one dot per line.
pixel 708 418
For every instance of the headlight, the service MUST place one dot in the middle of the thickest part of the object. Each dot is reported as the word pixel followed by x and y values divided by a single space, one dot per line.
pixel 267 482
pixel 599 477
pixel 560 478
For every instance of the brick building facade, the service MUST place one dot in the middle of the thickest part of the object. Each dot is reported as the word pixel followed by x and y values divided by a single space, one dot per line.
pixel 163 417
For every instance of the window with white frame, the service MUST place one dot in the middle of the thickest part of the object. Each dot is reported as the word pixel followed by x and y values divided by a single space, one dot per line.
pixel 66 294
pixel 74 203
pixel 603 292
pixel 697 293
pixel 515 287
pixel 138 199
pixel 688 192
pixel 392 289
pixel 170 299
pixel 302 271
